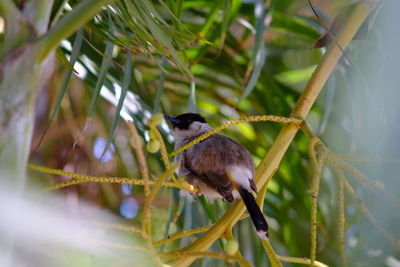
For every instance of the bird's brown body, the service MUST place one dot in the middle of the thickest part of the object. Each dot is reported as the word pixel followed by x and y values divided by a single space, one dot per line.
pixel 218 166
pixel 207 162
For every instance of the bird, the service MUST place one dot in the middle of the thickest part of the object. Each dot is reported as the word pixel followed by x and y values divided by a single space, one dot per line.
pixel 219 167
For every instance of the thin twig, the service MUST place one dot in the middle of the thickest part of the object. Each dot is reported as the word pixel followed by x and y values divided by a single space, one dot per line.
pixel 229 236
pixel 341 220
pixel 317 165
pixel 234 122
pixel 181 234
pixel 83 178
pixel 160 181
pixel 150 250
pixel 137 145
pixel 272 256
pixel 271 161
pixel 163 149
pixel 215 255
pixel 301 261
pixel 120 227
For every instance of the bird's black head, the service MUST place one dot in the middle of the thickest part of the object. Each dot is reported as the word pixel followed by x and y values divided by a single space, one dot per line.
pixel 183 121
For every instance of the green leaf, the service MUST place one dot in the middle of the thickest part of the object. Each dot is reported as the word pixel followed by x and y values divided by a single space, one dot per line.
pixel 124 89
pixel 178 8
pixel 105 65
pixel 68 25
pixel 192 107
pixel 292 77
pixel 149 27
pixel 210 213
pixel 294 24
pixel 160 87
pixel 212 16
pixel 76 47
pixel 225 21
pixel 259 51
pixel 60 55
pixel 171 213
pixel 208 209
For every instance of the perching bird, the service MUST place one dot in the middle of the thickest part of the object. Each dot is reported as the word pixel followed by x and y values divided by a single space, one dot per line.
pixel 218 166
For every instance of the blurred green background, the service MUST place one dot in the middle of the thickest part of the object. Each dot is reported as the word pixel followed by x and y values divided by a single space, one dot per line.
pixel 225 59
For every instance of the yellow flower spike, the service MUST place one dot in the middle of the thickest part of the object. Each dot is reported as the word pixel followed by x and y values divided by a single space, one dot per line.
pixel 157 119
pixel 153 146
pixel 227 124
pixel 152 135
pixel 164 154
pixel 231 247
pixel 180 234
pixel 79 178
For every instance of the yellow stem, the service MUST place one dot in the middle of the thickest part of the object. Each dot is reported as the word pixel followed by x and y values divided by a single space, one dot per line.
pixel 234 122
pixel 181 234
pixel 160 181
pixel 275 154
pixel 163 149
pixel 131 229
pixel 300 261
pixel 318 164
pixel 261 195
pixel 117 180
pixel 341 220
pixel 137 145
pixel 272 256
pixel 215 255
pixel 120 227
pixel 121 246
pixel 229 236
pixel 83 178
pixel 314 141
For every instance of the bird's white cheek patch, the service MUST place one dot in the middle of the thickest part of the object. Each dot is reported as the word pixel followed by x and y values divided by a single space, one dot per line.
pixel 241 175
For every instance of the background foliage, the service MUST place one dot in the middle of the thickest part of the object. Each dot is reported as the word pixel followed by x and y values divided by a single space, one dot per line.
pixel 224 59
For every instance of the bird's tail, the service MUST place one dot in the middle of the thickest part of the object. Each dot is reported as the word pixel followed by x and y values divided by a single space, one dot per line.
pixel 256 215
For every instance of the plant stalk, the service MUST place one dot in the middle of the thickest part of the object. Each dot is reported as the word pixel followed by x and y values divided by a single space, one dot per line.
pixel 271 161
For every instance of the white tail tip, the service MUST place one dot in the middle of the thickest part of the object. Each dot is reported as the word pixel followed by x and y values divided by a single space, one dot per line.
pixel 263 234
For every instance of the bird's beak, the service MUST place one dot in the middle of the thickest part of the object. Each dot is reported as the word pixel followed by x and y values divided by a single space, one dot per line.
pixel 173 120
